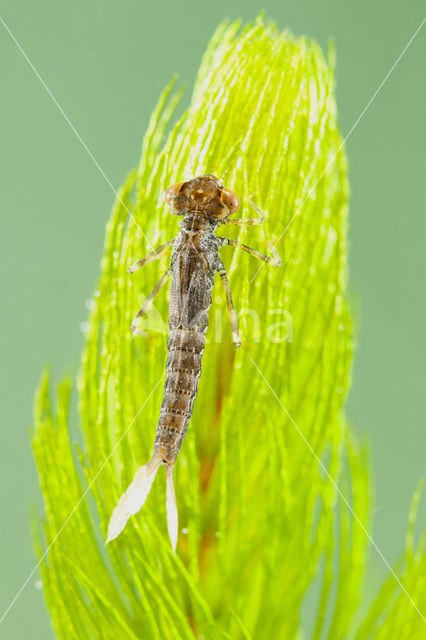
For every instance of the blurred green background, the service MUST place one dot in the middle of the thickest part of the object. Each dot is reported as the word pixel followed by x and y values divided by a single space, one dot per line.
pixel 106 64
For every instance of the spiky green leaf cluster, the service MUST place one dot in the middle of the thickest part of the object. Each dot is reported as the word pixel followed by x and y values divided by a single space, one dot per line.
pixel 267 549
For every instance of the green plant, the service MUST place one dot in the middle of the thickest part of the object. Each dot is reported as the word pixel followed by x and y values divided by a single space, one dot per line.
pixel 264 528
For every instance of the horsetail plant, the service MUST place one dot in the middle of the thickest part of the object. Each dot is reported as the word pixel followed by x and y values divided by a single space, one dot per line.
pixel 263 530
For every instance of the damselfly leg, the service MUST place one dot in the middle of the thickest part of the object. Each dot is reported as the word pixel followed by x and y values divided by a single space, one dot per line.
pixel 151 256
pixel 273 259
pixel 144 308
pixel 232 315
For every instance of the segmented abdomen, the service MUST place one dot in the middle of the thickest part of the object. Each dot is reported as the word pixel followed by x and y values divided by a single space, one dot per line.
pixel 183 368
pixel 189 302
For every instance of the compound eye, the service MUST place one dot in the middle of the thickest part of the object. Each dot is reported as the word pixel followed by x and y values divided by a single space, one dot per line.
pixel 172 191
pixel 230 200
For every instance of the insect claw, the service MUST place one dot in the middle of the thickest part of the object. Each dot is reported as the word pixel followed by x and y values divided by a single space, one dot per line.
pixel 245 345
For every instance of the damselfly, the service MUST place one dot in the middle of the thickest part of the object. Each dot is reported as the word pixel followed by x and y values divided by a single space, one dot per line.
pixel 205 204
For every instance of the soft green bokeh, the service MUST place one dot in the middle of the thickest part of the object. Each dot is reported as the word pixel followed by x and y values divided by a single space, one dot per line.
pixel 263 525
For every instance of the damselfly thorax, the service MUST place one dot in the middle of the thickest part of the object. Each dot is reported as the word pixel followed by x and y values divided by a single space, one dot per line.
pixel 205 204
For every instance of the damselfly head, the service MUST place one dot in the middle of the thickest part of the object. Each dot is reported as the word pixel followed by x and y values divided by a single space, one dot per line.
pixel 204 194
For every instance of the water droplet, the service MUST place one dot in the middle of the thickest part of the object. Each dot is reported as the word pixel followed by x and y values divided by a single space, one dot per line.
pixel 185 530
pixel 38 584
pixel 89 303
pixel 84 326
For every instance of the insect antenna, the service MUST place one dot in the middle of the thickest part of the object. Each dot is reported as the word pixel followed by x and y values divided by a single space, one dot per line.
pixel 238 150
pixel 192 164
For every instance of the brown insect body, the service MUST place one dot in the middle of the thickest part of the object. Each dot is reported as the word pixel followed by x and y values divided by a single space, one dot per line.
pixel 190 300
pixel 194 262
pixel 205 204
